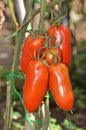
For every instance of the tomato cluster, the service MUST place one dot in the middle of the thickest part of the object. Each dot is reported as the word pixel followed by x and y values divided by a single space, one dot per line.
pixel 45 65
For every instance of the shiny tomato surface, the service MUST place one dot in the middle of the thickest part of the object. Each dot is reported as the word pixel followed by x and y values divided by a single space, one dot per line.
pixel 31 45
pixel 52 56
pixel 60 86
pixel 62 33
pixel 35 85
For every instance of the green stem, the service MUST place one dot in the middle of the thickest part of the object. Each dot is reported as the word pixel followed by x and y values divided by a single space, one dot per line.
pixel 50 5
pixel 42 16
pixel 38 118
pixel 41 31
pixel 10 3
pixel 19 40
pixel 47 113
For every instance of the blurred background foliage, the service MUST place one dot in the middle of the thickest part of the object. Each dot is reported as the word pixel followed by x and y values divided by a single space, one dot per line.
pixel 60 120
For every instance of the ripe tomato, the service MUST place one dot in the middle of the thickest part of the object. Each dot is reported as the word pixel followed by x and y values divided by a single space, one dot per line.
pixel 30 45
pixel 52 55
pixel 35 85
pixel 62 32
pixel 60 86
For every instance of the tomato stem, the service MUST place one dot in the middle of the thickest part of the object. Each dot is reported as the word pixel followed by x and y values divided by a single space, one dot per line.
pixel 38 117
pixel 42 16
pixel 45 63
pixel 35 54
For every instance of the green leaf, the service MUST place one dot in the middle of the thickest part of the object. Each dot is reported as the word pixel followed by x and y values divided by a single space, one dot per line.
pixel 37 1
pixel 16 115
pixel 18 126
pixel 29 27
pixel 13 35
pixel 53 125
pixel 70 126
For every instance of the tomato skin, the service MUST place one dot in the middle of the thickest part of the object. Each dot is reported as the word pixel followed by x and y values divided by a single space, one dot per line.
pixel 62 32
pixel 35 85
pixel 49 55
pixel 30 45
pixel 60 86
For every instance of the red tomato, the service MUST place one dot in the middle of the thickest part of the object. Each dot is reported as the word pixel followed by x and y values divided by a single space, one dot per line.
pixel 35 85
pixel 62 32
pixel 60 86
pixel 52 56
pixel 30 45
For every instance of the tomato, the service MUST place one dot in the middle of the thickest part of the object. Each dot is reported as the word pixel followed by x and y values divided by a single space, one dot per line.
pixel 62 32
pixel 60 86
pixel 35 85
pixel 30 45
pixel 52 55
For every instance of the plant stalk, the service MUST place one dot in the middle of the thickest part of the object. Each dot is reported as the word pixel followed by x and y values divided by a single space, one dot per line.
pixel 19 41
pixel 38 118
pixel 42 16
pixel 47 113
pixel 50 5
pixel 11 6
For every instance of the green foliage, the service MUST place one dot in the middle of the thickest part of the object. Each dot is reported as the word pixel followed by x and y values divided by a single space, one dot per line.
pixel 16 115
pixel 82 45
pixel 53 125
pixel 80 97
pixel 70 126
pixel 17 126
pixel 3 72
pixel 68 0
pixel 80 62
pixel 29 27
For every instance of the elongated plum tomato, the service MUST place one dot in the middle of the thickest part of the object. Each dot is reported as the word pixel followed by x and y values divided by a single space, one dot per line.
pixel 31 44
pixel 60 86
pixel 35 85
pixel 52 55
pixel 62 32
